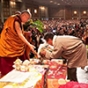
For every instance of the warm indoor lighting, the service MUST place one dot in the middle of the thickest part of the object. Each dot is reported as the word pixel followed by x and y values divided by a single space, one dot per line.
pixel 84 12
pixel 35 10
pixel 12 3
pixel 51 1
pixel 28 10
pixel 58 3
pixel 42 8
pixel 19 0
pixel 75 12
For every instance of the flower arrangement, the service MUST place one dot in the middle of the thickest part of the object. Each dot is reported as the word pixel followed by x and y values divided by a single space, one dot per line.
pixel 35 24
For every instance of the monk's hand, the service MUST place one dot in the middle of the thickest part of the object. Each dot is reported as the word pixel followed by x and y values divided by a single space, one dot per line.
pixel 32 47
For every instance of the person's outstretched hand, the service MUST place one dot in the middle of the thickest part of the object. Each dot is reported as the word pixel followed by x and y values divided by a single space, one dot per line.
pixel 43 53
pixel 32 47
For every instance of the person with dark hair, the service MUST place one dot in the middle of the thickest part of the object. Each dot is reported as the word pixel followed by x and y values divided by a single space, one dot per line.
pixel 69 47
pixel 13 41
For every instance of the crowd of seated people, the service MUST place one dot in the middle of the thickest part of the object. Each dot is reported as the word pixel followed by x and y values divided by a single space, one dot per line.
pixel 76 28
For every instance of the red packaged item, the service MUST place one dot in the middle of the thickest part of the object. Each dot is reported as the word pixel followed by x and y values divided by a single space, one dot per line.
pixel 56 72
pixel 53 65
pixel 73 84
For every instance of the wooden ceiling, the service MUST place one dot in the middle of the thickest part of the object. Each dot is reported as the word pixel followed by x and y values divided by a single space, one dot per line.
pixel 62 2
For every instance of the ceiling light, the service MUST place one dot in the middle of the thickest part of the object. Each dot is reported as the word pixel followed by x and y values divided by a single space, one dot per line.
pixel 58 3
pixel 42 7
pixel 28 10
pixel 51 1
pixel 19 0
pixel 35 10
pixel 75 12
pixel 84 12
